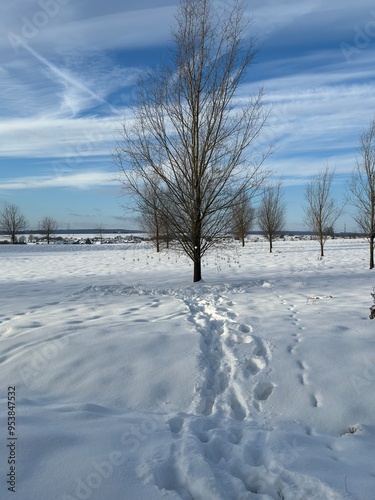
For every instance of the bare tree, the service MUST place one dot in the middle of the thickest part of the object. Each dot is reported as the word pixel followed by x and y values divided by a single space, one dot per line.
pixel 191 133
pixel 243 214
pixel 362 187
pixel 47 226
pixel 321 209
pixel 150 211
pixel 100 232
pixel 271 212
pixel 12 220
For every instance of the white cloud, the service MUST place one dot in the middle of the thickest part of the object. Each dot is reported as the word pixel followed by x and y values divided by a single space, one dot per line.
pixel 57 138
pixel 127 29
pixel 77 180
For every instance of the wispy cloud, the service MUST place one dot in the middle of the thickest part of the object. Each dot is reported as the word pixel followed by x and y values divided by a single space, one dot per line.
pixel 129 28
pixel 72 140
pixel 78 180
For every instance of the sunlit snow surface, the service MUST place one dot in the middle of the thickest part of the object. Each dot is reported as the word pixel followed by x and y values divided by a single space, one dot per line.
pixel 134 383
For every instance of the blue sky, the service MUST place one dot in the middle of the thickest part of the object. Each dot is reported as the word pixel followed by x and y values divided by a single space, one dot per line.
pixel 67 72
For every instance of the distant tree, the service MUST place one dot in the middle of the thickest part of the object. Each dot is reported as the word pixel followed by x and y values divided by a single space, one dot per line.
pixel 12 221
pixel 100 231
pixel 361 193
pixel 149 209
pixel 271 212
pixel 321 209
pixel 330 231
pixel 47 226
pixel 192 131
pixel 243 217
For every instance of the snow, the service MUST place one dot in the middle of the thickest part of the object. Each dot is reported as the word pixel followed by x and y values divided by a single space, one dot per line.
pixel 134 383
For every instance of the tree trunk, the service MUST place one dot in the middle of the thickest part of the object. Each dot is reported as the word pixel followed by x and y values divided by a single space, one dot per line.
pixel 167 238
pixel 197 270
pixel 243 240
pixel 157 237
pixel 270 245
pixel 321 248
pixel 197 260
pixel 372 252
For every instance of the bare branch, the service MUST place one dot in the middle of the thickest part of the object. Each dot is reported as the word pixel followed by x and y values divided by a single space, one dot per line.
pixel 271 212
pixel 192 134
pixel 47 226
pixel 321 210
pixel 361 192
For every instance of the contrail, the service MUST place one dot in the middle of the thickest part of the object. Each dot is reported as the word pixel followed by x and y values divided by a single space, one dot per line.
pixel 67 78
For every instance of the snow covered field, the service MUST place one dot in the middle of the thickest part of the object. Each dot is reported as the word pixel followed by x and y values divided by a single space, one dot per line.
pixel 133 383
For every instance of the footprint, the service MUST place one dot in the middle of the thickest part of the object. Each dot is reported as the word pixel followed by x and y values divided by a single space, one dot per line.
pixel 260 351
pixel 238 410
pixel 314 401
pixel 244 328
pixel 231 315
pixel 264 390
pixel 254 365
pixel 175 424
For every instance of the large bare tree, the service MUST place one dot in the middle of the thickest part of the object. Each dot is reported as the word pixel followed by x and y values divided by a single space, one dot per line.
pixel 321 209
pixel 243 217
pixel 271 212
pixel 12 220
pixel 47 226
pixel 192 132
pixel 362 186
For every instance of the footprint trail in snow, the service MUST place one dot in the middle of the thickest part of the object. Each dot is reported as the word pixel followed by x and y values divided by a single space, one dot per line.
pixel 219 389
pixel 207 442
pixel 217 450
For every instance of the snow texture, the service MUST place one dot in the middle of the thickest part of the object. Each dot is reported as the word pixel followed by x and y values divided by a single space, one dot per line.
pixel 134 383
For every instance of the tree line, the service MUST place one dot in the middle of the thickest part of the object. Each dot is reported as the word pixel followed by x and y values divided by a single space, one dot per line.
pixel 13 221
pixel 192 155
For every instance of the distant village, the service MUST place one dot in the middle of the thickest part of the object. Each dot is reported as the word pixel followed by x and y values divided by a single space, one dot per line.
pixel 78 239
